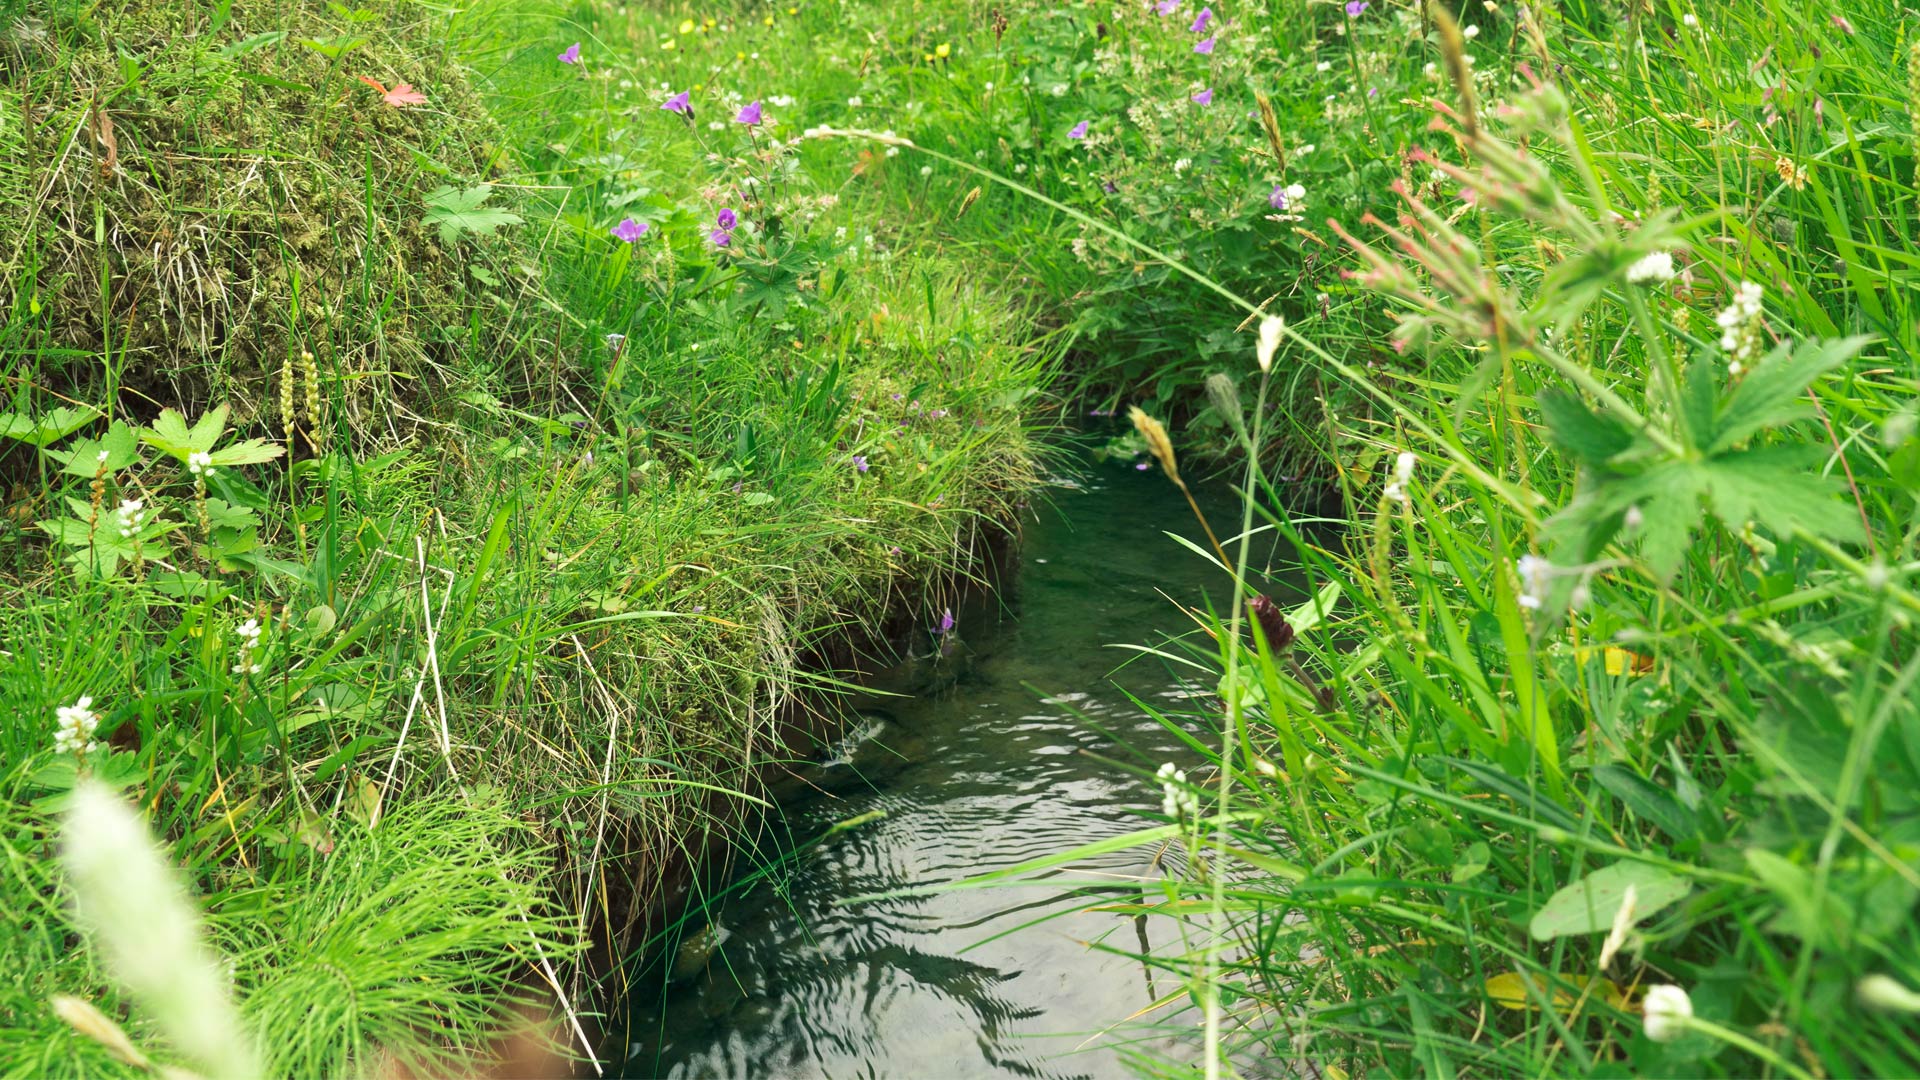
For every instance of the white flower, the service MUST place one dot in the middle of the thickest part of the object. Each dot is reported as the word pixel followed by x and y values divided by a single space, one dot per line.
pixel 200 463
pixel 74 726
pixel 989 88
pixel 1470 32
pixel 1058 89
pixel 1656 268
pixel 1535 573
pixel 1324 65
pixel 1740 326
pixel 102 458
pixel 926 170
pixel 614 341
pixel 1270 329
pixel 1183 165
pixel 249 630
pixel 1401 478
pixel 1666 1010
pixel 1688 20
pixel 1176 799
pixel 127 517
pixel 780 101
pixel 1020 168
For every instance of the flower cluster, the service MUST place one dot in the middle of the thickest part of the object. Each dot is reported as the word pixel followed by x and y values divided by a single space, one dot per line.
pixel 1654 269
pixel 200 463
pixel 1177 800
pixel 1401 479
pixel 1740 326
pixel 727 221
pixel 249 634
pixel 74 726
pixel 129 517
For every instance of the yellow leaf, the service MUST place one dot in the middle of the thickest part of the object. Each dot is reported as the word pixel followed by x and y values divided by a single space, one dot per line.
pixel 1516 991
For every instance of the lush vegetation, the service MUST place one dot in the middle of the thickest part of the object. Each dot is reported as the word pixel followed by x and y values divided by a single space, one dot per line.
pixel 452 490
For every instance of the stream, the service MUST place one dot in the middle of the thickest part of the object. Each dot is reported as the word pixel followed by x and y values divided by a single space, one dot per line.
pixel 991 764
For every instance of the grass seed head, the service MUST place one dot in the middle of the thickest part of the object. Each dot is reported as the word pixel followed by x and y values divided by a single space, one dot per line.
pixel 1158 444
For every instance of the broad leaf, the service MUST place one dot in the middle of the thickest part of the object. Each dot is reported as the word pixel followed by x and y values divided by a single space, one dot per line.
pixel 82 457
pixel 462 210
pixel 1770 395
pixel 1589 905
pixel 1590 438
pixel 47 428
pixel 251 452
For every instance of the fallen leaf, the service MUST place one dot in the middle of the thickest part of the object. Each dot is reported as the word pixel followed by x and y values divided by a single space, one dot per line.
pixel 1511 990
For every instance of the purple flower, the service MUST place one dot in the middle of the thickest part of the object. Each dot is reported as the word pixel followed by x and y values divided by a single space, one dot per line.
pixel 727 218
pixel 859 463
pixel 894 550
pixel 721 238
pixel 1079 131
pixel 1166 7
pixel 946 622
pixel 1141 466
pixel 572 55
pixel 1355 7
pixel 630 230
pixel 749 114
pixel 1205 48
pixel 1200 23
pixel 1204 97
pixel 679 103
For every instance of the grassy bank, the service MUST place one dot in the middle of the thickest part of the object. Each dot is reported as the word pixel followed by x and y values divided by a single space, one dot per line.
pixel 430 561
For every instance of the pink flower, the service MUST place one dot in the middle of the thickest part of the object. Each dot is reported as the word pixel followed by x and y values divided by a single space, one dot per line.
pixel 1200 24
pixel 1166 7
pixel 1204 48
pixel 720 238
pixel 1079 131
pixel 1204 97
pixel 630 230
pixel 749 114
pixel 681 103
pixel 572 55
pixel 1355 7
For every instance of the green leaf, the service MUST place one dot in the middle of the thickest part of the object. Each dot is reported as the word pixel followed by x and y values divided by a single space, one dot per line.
pixel 82 457
pixel 1777 487
pixel 1589 905
pixel 171 434
pixel 47 428
pixel 251 452
pixel 1589 438
pixel 1647 801
pixel 1770 394
pixel 463 210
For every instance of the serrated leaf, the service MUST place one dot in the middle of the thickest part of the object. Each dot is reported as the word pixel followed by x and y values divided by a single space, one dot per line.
pixel 47 428
pixel 1770 394
pixel 1589 905
pixel 1590 438
pixel 82 458
pixel 251 452
pixel 459 210
pixel 1777 487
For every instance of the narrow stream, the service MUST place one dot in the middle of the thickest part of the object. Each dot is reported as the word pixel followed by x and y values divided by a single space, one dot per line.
pixel 985 771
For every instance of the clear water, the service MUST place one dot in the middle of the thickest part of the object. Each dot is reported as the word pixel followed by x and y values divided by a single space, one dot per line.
pixel 993 767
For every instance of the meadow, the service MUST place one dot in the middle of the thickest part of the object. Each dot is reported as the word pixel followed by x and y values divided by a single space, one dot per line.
pixel 450 454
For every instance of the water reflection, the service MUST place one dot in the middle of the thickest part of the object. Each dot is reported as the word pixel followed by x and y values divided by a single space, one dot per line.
pixel 983 774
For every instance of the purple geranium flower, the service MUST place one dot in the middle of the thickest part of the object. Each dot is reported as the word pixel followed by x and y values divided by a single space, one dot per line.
pixel 727 218
pixel 749 114
pixel 572 55
pixel 721 238
pixel 1355 7
pixel 1204 48
pixel 946 622
pixel 1166 7
pixel 630 230
pixel 1200 23
pixel 859 463
pixel 1204 97
pixel 680 103
pixel 1079 131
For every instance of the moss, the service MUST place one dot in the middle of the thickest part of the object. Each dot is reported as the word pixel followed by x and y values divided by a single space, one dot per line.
pixel 199 205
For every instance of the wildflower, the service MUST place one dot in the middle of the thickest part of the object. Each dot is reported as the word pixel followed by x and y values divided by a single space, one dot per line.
pixel 74 727
pixel 946 622
pixel 859 463
pixel 1200 23
pixel 1355 7
pixel 1665 1012
pixel 749 114
pixel 630 230
pixel 1273 622
pixel 1841 24
pixel 1689 20
pixel 1270 328
pixel 1079 131
pixel 572 55
pixel 1535 575
pixel 1327 65
pixel 1654 269
pixel 1204 97
pixel 727 218
pixel 128 517
pixel 720 238
pixel 1740 326
pixel 1166 7
pixel 855 102
pixel 1285 196
pixel 681 103
pixel 1176 799
pixel 200 463
pixel 943 50
pixel 1401 479
pixel 1470 32
pixel 614 341
pixel 1204 48
pixel 1183 165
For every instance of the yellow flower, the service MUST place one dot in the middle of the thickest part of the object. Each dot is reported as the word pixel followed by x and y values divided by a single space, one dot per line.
pixel 943 50
pixel 768 21
pixel 697 87
pixel 686 26
pixel 709 24
pixel 928 58
pixel 793 11
pixel 739 56
pixel 667 44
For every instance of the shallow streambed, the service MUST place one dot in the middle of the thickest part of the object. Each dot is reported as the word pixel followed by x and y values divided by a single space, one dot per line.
pixel 982 772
